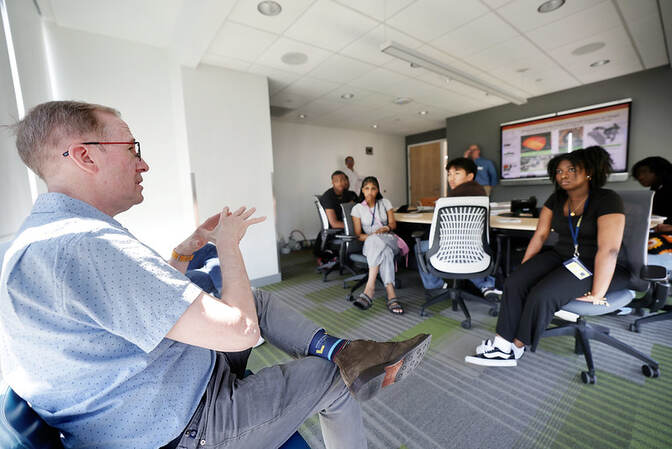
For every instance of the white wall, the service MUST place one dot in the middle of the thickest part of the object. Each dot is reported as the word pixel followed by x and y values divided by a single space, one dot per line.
pixel 304 157
pixel 14 190
pixel 144 84
pixel 229 134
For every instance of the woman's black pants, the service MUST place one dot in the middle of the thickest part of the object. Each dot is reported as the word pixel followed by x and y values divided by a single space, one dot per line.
pixel 539 288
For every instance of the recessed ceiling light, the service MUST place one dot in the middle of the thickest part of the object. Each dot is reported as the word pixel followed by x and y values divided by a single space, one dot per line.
pixel 402 100
pixel 588 48
pixel 550 5
pixel 269 8
pixel 374 126
pixel 414 65
pixel 423 112
pixel 294 58
pixel 302 116
pixel 448 80
pixel 600 62
pixel 347 96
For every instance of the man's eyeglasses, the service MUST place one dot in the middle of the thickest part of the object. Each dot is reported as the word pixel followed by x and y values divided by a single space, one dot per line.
pixel 135 143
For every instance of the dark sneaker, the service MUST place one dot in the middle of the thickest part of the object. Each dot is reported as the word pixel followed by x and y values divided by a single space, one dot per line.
pixel 492 357
pixel 491 293
pixel 368 366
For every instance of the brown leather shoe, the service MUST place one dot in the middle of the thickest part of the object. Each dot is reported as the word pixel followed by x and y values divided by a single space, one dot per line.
pixel 368 366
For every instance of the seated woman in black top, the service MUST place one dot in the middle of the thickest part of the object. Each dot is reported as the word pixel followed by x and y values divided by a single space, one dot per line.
pixel 543 284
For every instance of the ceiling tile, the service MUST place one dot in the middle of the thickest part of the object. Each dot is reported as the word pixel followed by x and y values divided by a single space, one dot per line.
pixel 617 67
pixel 378 9
pixel 588 22
pixel 246 13
pixel 523 14
pixel 367 48
pixel 272 56
pixel 475 36
pixel 312 87
pixel 288 99
pixel 637 10
pixel 329 25
pixel 277 79
pixel 507 54
pixel 495 4
pixel 319 107
pixel 648 35
pixel 618 47
pixel 223 61
pixel 379 80
pixel 341 69
pixel 240 41
pixel 124 19
pixel 428 19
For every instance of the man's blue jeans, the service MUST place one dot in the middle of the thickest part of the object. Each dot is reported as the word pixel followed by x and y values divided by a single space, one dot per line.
pixel 429 281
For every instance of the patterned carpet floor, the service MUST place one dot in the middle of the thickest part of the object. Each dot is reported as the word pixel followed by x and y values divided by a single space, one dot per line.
pixel 446 403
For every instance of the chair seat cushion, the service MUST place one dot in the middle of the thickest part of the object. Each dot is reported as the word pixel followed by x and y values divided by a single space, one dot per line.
pixel 616 300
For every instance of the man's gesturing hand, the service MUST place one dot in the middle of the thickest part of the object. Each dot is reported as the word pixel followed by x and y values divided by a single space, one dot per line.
pixel 233 225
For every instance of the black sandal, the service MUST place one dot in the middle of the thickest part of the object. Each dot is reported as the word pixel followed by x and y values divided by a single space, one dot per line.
pixel 363 301
pixel 394 306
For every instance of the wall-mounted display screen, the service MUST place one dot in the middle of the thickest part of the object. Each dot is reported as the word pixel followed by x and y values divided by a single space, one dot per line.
pixel 528 145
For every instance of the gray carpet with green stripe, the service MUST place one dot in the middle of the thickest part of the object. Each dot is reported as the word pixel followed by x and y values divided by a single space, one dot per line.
pixel 542 403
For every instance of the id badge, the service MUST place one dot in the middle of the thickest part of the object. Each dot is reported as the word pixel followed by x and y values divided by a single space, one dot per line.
pixel 577 268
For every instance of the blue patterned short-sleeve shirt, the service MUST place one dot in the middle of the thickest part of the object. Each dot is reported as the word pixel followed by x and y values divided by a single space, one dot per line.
pixel 84 309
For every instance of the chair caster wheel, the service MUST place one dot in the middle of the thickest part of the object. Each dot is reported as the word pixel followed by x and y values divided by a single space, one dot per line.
pixel 493 311
pixel 634 328
pixel 466 324
pixel 350 298
pixel 587 378
pixel 650 371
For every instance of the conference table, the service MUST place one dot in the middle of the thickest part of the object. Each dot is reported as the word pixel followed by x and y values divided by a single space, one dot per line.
pixel 504 228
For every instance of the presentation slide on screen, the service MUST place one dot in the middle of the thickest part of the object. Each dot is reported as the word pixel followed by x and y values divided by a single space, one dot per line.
pixel 527 147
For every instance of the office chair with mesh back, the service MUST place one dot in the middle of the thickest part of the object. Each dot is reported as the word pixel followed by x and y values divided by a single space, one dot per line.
pixel 327 244
pixel 351 257
pixel 459 250
pixel 633 256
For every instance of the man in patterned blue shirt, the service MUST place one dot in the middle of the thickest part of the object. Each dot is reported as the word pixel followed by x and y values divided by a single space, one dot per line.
pixel 116 348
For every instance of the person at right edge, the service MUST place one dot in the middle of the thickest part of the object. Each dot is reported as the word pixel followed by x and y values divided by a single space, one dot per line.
pixel 582 265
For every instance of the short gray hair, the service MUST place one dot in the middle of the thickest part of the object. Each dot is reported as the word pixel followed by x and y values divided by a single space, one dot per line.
pixel 48 123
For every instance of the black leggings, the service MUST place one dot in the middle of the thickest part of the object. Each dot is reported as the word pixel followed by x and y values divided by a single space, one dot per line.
pixel 539 288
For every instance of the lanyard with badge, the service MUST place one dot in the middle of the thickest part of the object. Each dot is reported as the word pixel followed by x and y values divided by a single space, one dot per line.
pixel 574 265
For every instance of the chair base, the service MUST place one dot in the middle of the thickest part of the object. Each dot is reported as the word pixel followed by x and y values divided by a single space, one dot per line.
pixel 665 315
pixel 457 296
pixel 583 332
pixel 326 268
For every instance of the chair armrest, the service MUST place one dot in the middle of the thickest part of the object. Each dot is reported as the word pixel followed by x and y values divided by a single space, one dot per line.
pixel 653 273
pixel 332 231
pixel 346 238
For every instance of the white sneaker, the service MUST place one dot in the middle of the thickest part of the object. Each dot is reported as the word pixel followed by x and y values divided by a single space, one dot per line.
pixel 485 346
pixel 493 357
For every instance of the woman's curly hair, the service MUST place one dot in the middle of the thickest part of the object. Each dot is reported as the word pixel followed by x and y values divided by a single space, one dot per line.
pixel 594 160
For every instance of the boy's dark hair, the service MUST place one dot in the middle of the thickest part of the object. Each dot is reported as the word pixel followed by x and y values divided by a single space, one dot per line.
pixel 660 167
pixel 465 164
pixel 594 160
pixel 369 180
pixel 338 172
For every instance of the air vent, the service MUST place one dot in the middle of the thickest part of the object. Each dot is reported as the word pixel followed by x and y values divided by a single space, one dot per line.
pixel 279 111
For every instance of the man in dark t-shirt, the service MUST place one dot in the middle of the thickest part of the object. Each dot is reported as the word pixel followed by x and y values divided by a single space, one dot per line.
pixel 333 198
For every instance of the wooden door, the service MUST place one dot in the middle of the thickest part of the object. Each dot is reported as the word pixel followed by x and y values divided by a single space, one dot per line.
pixel 425 171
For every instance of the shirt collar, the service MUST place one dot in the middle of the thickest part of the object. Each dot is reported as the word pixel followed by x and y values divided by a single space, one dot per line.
pixel 53 202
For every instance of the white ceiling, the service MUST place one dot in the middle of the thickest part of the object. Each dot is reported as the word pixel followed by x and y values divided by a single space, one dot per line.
pixel 506 43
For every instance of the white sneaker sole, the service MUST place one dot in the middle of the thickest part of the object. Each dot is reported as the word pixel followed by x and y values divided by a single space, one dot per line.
pixel 482 361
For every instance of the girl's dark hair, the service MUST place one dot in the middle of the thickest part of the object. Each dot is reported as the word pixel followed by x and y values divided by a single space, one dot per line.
pixel 594 160
pixel 660 167
pixel 369 180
